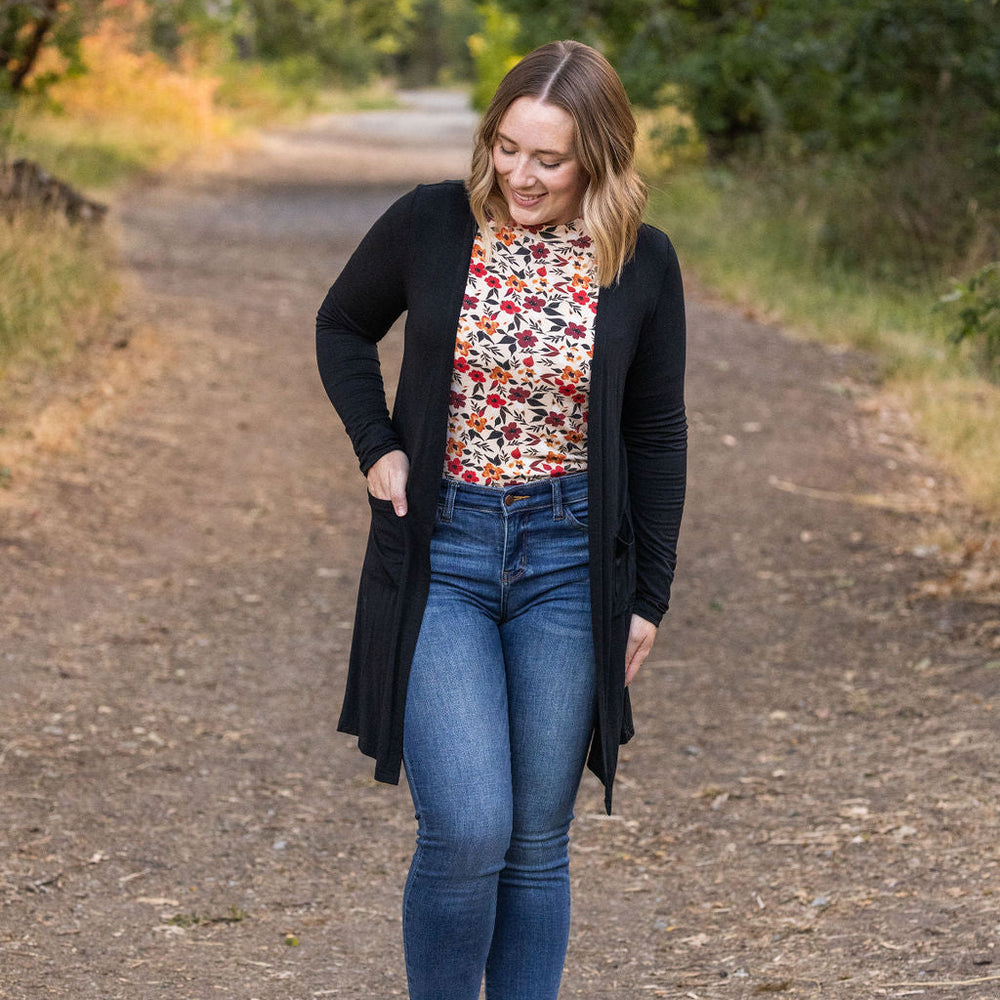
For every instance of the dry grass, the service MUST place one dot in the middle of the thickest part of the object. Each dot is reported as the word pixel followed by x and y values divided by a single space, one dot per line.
pixel 769 264
pixel 130 112
pixel 56 286
pixel 45 409
pixel 959 418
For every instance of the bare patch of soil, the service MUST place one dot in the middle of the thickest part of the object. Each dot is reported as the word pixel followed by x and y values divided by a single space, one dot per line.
pixel 809 808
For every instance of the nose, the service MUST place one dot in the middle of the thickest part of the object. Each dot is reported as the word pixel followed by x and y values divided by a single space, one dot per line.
pixel 522 175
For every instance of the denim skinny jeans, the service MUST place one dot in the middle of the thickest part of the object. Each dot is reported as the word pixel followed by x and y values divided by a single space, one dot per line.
pixel 499 714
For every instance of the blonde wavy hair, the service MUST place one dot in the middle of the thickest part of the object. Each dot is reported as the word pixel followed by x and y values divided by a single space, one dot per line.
pixel 579 80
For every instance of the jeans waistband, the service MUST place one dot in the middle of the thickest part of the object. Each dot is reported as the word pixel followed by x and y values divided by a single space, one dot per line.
pixel 539 494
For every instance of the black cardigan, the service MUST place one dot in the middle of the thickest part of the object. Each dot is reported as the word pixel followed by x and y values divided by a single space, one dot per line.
pixel 415 259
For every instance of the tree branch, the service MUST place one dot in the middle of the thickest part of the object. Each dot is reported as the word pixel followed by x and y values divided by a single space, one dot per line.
pixel 26 61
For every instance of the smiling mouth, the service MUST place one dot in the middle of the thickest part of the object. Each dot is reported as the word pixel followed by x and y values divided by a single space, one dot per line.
pixel 526 201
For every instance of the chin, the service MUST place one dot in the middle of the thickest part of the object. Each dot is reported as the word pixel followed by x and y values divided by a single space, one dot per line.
pixel 529 216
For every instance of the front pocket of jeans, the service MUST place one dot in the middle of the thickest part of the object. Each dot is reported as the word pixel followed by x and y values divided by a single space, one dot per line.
pixel 576 519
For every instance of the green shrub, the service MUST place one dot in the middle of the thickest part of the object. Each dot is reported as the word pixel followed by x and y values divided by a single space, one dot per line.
pixel 494 51
pixel 975 306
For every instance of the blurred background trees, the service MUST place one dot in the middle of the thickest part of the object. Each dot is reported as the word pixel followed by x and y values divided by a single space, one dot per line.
pixel 871 126
pixel 28 28
pixel 344 42
pixel 883 115
pixel 902 87
pixel 417 41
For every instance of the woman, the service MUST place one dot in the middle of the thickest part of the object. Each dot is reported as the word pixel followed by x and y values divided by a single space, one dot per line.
pixel 525 497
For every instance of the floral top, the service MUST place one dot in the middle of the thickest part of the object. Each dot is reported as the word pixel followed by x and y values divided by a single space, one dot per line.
pixel 525 340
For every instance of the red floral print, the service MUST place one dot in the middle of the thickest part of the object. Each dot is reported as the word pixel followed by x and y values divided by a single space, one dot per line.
pixel 523 349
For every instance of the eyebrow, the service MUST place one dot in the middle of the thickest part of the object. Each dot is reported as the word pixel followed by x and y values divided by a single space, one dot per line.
pixel 537 152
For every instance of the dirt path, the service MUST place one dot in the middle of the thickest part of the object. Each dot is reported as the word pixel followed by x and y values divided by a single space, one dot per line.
pixel 809 809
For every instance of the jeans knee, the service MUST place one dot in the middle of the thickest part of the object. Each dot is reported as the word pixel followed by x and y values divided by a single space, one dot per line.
pixel 466 845
pixel 544 851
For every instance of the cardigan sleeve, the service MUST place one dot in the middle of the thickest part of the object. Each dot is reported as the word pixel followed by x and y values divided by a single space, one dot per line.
pixel 366 299
pixel 654 427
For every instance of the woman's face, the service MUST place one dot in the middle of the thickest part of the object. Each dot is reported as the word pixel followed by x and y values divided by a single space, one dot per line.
pixel 537 170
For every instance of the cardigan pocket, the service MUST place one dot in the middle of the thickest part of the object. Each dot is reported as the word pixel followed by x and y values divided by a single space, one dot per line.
pixel 387 542
pixel 373 667
pixel 624 568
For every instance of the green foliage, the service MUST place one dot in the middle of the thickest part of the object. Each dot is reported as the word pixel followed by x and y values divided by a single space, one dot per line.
pixel 310 43
pixel 759 72
pixel 28 28
pixel 767 256
pixel 974 306
pixel 766 253
pixel 80 157
pixel 494 51
pixel 322 30
pixel 634 34
pixel 892 105
pixel 439 51
pixel 350 40
pixel 385 25
pixel 883 114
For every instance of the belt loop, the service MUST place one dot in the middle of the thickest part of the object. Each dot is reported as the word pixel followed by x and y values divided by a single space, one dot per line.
pixel 557 505
pixel 449 501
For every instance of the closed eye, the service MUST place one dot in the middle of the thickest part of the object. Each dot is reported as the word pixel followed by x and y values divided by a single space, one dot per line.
pixel 512 152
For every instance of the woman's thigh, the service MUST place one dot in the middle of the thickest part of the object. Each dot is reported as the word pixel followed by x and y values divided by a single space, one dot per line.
pixel 551 674
pixel 456 745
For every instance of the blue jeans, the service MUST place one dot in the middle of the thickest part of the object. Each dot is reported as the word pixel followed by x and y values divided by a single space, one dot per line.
pixel 499 713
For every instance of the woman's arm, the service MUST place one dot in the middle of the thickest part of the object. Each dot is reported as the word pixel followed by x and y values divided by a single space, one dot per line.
pixel 366 299
pixel 655 431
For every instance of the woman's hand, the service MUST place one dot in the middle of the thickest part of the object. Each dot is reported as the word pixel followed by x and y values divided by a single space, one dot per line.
pixel 387 479
pixel 641 634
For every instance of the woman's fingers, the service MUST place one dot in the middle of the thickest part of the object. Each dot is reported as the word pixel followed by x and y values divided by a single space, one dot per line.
pixel 640 641
pixel 387 479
